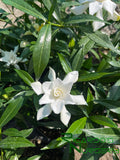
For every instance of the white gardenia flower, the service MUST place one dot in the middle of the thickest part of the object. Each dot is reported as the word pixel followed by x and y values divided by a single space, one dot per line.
pixel 11 58
pixel 95 7
pixel 57 95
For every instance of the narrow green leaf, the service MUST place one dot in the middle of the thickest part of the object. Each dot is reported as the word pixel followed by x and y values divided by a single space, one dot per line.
pixel 25 76
pixel 25 7
pixel 15 142
pixel 41 52
pixel 106 135
pixel 102 66
pixel 114 93
pixel 56 14
pixel 16 133
pixel 103 40
pixel 113 106
pixel 78 60
pixel 92 76
pixel 11 111
pixel 102 120
pixel 59 142
pixel 36 157
pixel 64 63
pixel 82 18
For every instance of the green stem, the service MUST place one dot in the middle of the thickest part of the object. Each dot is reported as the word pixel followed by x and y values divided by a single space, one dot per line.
pixel 0 140
pixel 53 24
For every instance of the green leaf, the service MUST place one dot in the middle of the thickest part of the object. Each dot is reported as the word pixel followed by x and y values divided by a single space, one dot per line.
pixel 113 106
pixel 103 40
pixel 59 142
pixel 70 3
pixel 114 93
pixel 25 76
pixel 82 18
pixel 102 120
pixel 94 151
pixel 78 60
pixel 106 135
pixel 15 142
pixel 11 110
pixel 36 157
pixel 64 63
pixel 25 7
pixel 103 65
pixel 76 126
pixel 16 133
pixel 92 76
pixel 56 14
pixel 41 52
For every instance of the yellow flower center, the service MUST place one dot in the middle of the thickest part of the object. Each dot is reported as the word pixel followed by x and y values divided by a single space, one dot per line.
pixel 58 92
pixel 118 18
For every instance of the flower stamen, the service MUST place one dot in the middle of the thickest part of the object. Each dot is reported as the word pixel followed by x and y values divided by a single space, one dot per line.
pixel 58 92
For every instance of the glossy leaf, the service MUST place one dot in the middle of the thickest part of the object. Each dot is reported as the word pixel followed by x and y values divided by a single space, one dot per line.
pixel 113 106
pixel 11 110
pixel 16 133
pixel 25 76
pixel 56 13
pixel 36 157
pixel 103 40
pixel 41 51
pixel 82 18
pixel 64 63
pixel 92 76
pixel 76 126
pixel 78 60
pixel 106 135
pixel 25 7
pixel 102 120
pixel 15 142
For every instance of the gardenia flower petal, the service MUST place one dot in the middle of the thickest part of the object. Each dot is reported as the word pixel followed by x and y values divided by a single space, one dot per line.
pixel 46 99
pixel 43 112
pixel 15 49
pixel 52 74
pixel 46 86
pixel 79 9
pixel 68 99
pixel 57 106
pixel 96 24
pixel 65 116
pixel 78 100
pixel 36 86
pixel 109 6
pixel 16 66
pixel 94 7
pixel 71 77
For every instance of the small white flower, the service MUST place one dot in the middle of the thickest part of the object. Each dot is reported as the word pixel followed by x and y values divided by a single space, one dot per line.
pixel 57 95
pixel 11 58
pixel 95 7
